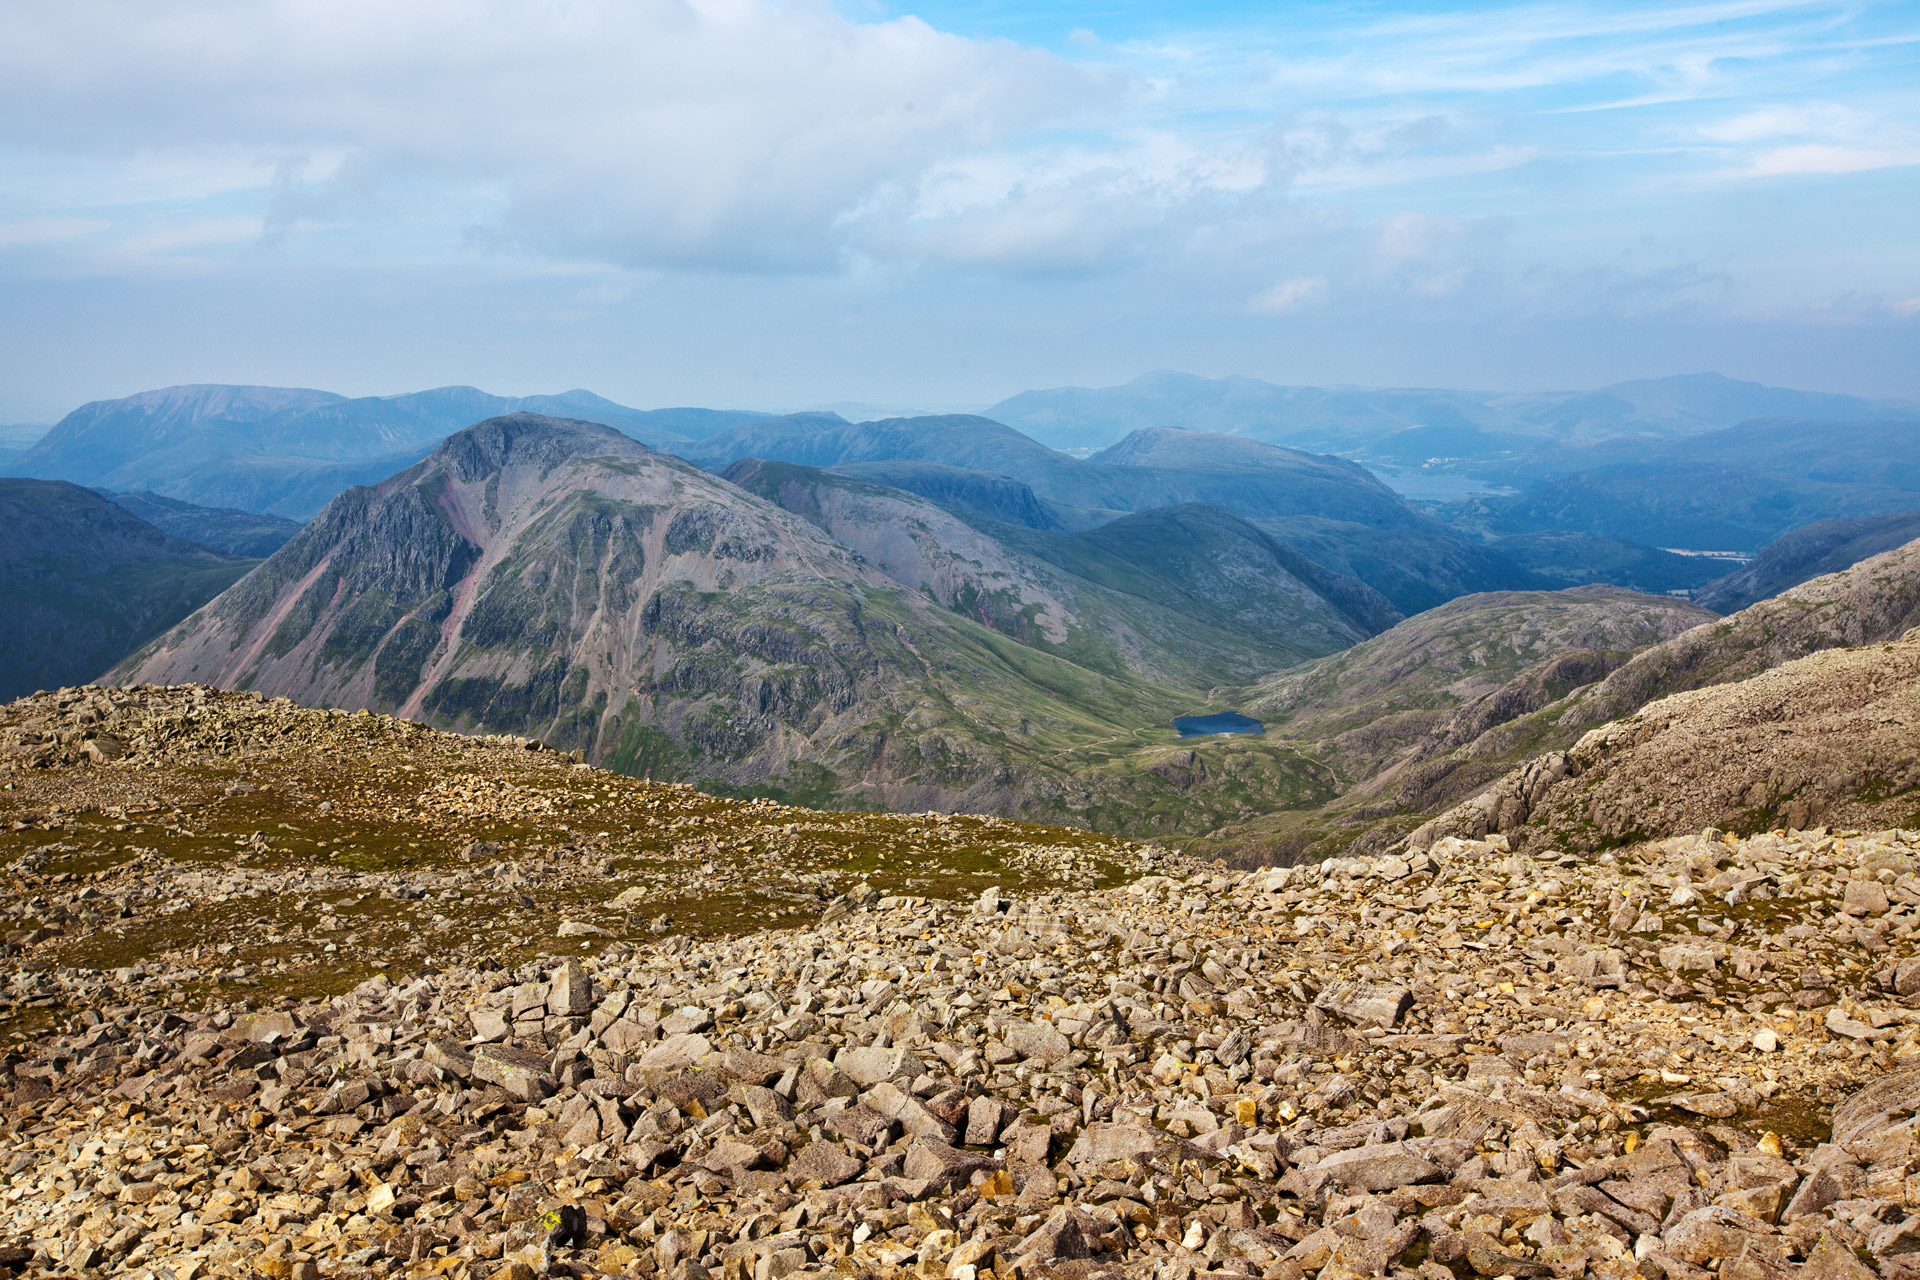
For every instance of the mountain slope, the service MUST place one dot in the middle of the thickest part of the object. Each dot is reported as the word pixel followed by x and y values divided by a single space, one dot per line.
pixel 1381 701
pixel 1187 594
pixel 1734 489
pixel 238 533
pixel 1828 738
pixel 1811 551
pixel 980 493
pixel 85 583
pixel 556 578
pixel 1576 559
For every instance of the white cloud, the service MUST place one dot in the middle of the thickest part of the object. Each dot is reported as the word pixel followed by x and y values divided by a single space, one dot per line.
pixel 705 133
pixel 1820 158
pixel 1296 294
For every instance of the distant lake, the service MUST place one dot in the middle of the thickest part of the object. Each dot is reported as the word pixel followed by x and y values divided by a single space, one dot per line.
pixel 1422 485
pixel 1223 722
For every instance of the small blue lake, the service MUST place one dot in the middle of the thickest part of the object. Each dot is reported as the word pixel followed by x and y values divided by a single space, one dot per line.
pixel 1223 722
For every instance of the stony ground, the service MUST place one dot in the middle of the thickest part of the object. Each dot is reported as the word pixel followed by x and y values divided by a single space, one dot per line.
pixel 175 844
pixel 1668 1060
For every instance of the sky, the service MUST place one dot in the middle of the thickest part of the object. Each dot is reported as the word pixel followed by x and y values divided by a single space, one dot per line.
pixel 771 204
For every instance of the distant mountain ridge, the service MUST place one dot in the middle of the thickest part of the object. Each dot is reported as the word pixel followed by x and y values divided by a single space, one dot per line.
pixel 287 450
pixel 239 533
pixel 1359 420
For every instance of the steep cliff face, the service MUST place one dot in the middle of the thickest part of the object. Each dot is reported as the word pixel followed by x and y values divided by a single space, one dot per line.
pixel 556 579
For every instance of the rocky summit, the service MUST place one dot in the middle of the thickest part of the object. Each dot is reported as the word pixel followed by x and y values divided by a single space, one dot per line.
pixel 667 1034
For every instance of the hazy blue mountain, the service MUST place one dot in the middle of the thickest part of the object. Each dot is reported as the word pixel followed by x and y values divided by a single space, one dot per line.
pixel 982 493
pixel 239 533
pixel 16 438
pixel 1809 552
pixel 86 583
pixel 1333 511
pixel 1355 421
pixel 1325 418
pixel 1732 490
pixel 1685 405
pixel 288 450
pixel 1152 469
pixel 1571 559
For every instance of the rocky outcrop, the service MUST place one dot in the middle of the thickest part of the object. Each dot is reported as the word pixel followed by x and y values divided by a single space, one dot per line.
pixel 1829 739
pixel 1445 677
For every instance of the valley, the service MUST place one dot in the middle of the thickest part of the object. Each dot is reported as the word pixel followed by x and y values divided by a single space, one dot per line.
pixel 945 613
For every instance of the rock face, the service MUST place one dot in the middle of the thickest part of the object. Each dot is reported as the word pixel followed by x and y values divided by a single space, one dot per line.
pixel 86 583
pixel 1827 739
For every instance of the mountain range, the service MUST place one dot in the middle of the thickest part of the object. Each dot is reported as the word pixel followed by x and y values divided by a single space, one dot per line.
pixel 797 633
pixel 287 451
pixel 944 612
pixel 1376 422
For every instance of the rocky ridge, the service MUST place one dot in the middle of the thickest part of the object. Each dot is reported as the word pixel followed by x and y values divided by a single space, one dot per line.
pixel 1830 738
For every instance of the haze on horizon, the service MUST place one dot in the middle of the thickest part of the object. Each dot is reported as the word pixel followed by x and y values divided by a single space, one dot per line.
pixel 771 205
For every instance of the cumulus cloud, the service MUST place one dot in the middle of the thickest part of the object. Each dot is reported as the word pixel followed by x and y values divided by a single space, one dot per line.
pixel 705 133
pixel 1295 294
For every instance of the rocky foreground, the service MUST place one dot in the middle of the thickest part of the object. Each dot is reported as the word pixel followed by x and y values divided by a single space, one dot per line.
pixel 1676 1058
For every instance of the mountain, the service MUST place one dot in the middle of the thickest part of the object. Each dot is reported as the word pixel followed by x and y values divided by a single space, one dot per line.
pixel 86 583
pixel 1359 421
pixel 1828 738
pixel 1574 558
pixel 1192 593
pixel 1733 490
pixel 1823 547
pixel 16 439
pixel 239 533
pixel 1874 603
pixel 982 493
pixel 1372 706
pixel 1334 512
pixel 1688 404
pixel 1315 417
pixel 1151 469
pixel 287 451
pixel 556 578
pixel 1441 738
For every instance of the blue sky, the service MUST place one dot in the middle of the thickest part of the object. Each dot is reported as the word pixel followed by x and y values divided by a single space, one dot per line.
pixel 781 204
